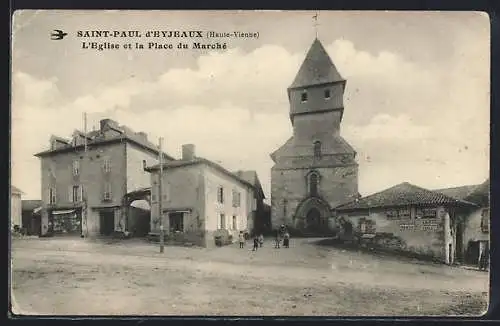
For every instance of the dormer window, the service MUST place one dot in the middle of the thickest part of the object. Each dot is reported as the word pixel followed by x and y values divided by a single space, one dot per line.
pixel 327 94
pixel 303 97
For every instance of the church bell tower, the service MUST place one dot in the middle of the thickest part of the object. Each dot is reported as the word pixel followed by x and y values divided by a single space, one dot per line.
pixel 315 170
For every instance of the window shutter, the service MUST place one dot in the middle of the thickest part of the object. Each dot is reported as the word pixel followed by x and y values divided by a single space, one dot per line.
pixel 49 195
pixel 81 193
pixel 70 194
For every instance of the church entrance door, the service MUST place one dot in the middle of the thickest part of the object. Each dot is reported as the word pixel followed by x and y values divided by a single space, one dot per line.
pixel 314 219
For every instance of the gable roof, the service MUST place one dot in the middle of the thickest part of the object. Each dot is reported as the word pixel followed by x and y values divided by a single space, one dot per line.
pixel 15 190
pixel 403 194
pixel 97 140
pixel 199 160
pixel 317 68
pixel 251 177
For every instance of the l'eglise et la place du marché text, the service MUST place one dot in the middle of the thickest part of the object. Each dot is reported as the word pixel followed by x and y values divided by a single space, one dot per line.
pixel 101 46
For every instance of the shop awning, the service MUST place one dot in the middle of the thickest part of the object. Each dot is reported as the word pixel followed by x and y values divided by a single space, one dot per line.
pixel 63 212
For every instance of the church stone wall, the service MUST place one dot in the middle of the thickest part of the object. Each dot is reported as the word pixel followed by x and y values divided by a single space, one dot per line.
pixel 337 185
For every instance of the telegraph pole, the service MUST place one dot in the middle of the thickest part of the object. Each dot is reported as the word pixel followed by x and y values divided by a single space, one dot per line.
pixel 83 191
pixel 160 199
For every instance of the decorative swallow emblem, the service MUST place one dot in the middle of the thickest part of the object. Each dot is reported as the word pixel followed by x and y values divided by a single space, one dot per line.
pixel 57 34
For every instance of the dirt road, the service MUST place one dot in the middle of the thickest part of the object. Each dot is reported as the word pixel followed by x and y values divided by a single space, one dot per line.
pixel 81 277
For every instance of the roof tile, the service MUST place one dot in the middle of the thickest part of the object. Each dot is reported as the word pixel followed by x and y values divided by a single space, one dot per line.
pixel 403 194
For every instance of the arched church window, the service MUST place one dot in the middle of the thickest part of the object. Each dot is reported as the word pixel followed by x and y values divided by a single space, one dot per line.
pixel 313 184
pixel 317 149
pixel 303 96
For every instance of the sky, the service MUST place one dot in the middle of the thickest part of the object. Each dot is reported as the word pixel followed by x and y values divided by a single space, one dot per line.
pixel 417 98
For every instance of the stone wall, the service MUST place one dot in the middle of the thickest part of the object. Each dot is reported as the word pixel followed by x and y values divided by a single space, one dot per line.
pixel 289 188
pixel 423 236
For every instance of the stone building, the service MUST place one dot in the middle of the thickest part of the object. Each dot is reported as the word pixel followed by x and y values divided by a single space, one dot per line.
pixel 407 218
pixel 200 200
pixel 316 169
pixel 85 180
pixel 472 230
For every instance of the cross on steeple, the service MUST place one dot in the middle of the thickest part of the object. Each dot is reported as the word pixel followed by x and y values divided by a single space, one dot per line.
pixel 316 24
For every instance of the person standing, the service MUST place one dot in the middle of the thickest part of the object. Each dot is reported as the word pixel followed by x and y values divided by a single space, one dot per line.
pixel 255 243
pixel 277 240
pixel 261 240
pixel 241 237
pixel 286 240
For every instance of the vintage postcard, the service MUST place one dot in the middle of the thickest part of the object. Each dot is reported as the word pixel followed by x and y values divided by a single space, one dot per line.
pixel 250 163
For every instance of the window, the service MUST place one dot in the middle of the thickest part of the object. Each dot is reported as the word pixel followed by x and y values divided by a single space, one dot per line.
pixel 220 195
pixel 76 167
pixel 285 203
pixel 313 184
pixel 303 96
pixel 485 220
pixel 75 194
pixel 236 199
pixel 317 149
pixel 222 221
pixel 235 223
pixel 327 94
pixel 107 164
pixel 176 222
pixel 52 195
pixel 107 191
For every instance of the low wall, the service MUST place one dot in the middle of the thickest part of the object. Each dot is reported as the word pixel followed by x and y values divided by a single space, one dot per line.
pixel 196 238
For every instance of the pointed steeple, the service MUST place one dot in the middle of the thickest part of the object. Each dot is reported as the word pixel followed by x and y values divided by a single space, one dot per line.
pixel 317 68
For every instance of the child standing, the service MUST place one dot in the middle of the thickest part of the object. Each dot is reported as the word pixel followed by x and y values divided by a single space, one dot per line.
pixel 261 240
pixel 242 239
pixel 286 240
pixel 255 243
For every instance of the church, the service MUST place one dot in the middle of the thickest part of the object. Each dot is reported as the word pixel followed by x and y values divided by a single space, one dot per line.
pixel 316 169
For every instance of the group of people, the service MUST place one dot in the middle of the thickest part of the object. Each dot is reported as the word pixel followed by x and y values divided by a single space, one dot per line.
pixel 258 240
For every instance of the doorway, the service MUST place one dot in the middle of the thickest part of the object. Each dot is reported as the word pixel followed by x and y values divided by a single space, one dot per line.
pixel 107 222
pixel 472 254
pixel 176 222
pixel 314 219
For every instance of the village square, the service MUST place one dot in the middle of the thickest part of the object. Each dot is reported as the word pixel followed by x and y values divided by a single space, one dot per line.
pixel 123 227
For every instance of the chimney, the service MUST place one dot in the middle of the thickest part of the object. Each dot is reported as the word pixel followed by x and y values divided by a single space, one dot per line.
pixel 188 152
pixel 105 123
pixel 142 135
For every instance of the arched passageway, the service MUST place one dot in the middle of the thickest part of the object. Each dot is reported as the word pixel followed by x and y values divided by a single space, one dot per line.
pixel 137 212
